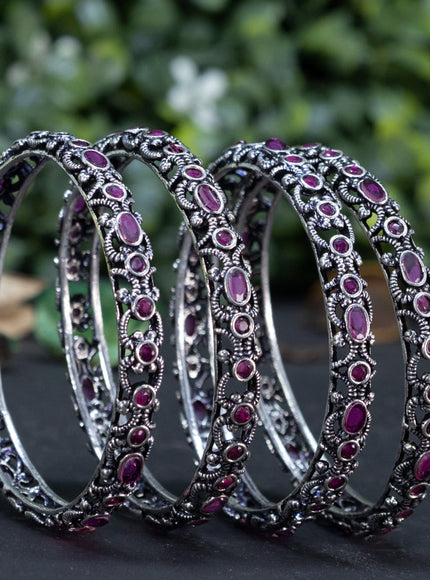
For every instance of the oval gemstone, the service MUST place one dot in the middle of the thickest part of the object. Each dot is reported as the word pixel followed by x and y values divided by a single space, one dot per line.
pixel 357 322
pixel 80 204
pixel 395 227
pixel 195 172
pixel 417 490
pixel 237 286
pixel 155 132
pixel 327 209
pixel 130 468
pixel 129 229
pixel 348 450
pixel 372 191
pixel 143 396
pixel 96 159
pixel 190 325
pixel 422 303
pixel 214 505
pixel 412 268
pixel 144 307
pixel 354 170
pixel 235 452
pixel 225 482
pixel 275 144
pixel 295 159
pixel 208 197
pixel 88 389
pixel 96 521
pixel 137 436
pixel 138 264
pixel 336 482
pixel 359 372
pixel 115 191
pixel 355 417
pixel 330 154
pixel 200 411
pixel 422 468
pixel 242 414
pixel 80 143
pixel 351 285
pixel 224 237
pixel 174 148
pixel 311 181
pixel 245 369
pixel 147 352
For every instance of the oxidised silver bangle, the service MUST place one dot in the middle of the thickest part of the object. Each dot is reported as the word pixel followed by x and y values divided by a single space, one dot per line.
pixel 218 252
pixel 255 178
pixel 98 184
pixel 391 238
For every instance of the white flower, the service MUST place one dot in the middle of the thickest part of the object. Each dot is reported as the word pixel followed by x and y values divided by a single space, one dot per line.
pixel 194 94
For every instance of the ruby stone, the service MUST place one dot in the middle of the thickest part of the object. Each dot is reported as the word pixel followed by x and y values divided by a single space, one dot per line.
pixel 237 286
pixel 130 468
pixel 214 505
pixel 96 159
pixel 372 191
pixel 355 418
pixel 349 450
pixel 129 228
pixel 422 468
pixel 412 268
pixel 357 322
pixel 275 144
pixel 242 414
pixel 245 369
pixel 145 307
pixel 143 396
pixel 209 197
pixel 114 191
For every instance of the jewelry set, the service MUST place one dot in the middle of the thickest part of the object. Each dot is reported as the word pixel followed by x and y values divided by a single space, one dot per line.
pixel 228 360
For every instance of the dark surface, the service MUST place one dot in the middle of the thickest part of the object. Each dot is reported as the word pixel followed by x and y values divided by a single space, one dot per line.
pixel 127 548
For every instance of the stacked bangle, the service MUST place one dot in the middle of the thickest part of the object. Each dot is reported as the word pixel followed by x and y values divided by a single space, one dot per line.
pixel 218 252
pixel 98 183
pixel 254 178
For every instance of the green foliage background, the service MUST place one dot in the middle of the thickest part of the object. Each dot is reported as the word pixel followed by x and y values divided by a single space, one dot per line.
pixel 354 74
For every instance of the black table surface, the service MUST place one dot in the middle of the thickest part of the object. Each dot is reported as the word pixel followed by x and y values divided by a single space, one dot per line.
pixel 39 399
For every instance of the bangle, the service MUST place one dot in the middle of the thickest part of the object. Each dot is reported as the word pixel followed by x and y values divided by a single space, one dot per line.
pixel 255 177
pixel 218 251
pixel 119 464
pixel 391 238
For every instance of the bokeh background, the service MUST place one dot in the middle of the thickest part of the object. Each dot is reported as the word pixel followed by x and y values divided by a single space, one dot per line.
pixel 354 74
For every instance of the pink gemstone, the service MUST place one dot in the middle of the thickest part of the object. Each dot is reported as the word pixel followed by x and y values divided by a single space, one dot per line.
pixel 242 414
pixel 412 268
pixel 340 244
pixel 208 197
pixel 114 191
pixel 357 322
pixel 354 170
pixel 422 468
pixel 422 303
pixel 294 159
pixel 245 369
pixel 404 514
pixel 194 172
pixel 327 209
pixel 112 501
pixel 155 133
pixel 275 144
pixel 225 483
pixel 147 352
pixel 96 159
pixel 355 418
pixel 137 436
pixel 349 450
pixel 190 325
pixel 372 190
pixel 214 505
pixel 359 372
pixel 145 308
pixel 417 490
pixel 351 285
pixel 237 286
pixel 235 452
pixel 174 148
pixel 130 468
pixel 143 396
pixel 312 181
pixel 96 521
pixel 129 228
pixel 88 389
pixel 80 204
pixel 336 482
pixel 138 263
pixel 330 154
pixel 80 143
pixel 200 411
pixel 224 237
pixel 242 325
pixel 309 145
pixel 396 227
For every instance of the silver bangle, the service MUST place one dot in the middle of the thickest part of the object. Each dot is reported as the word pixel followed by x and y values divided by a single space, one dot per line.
pixel 218 251
pixel 255 177
pixel 119 464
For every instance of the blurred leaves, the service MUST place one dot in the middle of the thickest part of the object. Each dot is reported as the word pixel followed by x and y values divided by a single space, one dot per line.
pixel 353 74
